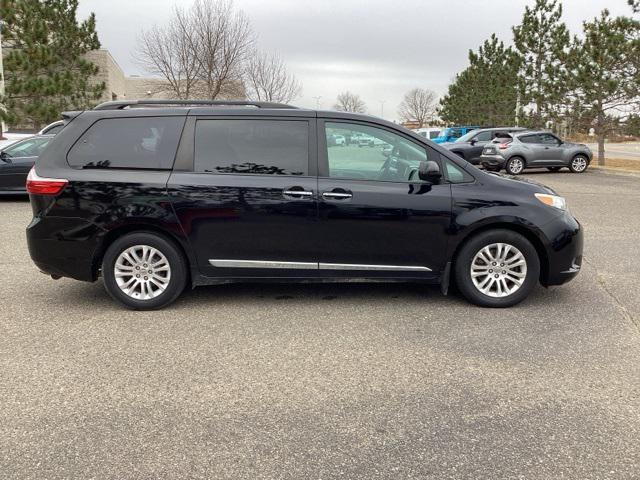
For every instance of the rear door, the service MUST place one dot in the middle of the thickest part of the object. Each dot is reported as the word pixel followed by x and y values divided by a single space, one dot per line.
pixel 246 196
pixel 376 217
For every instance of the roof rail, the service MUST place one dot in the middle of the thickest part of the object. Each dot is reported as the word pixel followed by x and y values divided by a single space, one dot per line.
pixel 122 104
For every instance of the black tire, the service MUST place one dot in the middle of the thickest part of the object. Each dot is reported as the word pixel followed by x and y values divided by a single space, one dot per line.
pixel 554 169
pixel 464 259
pixel 579 164
pixel 174 257
pixel 515 165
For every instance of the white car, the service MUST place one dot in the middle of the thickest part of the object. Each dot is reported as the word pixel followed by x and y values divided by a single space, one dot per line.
pixel 340 140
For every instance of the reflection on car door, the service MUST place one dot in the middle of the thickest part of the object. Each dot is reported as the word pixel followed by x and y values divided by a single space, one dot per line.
pixel 375 214
pixel 249 205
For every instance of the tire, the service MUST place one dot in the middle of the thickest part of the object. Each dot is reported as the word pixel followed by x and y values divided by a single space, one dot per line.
pixel 579 163
pixel 497 295
pixel 515 165
pixel 157 250
pixel 554 169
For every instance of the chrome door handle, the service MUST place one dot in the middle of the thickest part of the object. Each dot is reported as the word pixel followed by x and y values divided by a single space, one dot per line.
pixel 300 193
pixel 337 195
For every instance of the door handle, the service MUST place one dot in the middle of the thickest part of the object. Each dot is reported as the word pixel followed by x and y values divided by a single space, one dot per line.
pixel 297 192
pixel 337 195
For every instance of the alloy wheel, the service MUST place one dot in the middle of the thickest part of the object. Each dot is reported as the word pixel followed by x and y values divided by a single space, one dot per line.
pixel 498 270
pixel 516 166
pixel 142 272
pixel 579 164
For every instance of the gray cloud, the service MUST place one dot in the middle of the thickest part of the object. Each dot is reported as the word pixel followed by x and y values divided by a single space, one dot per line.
pixel 376 48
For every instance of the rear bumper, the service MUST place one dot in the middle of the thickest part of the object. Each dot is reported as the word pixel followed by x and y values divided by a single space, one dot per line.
pixel 564 252
pixel 492 160
pixel 64 246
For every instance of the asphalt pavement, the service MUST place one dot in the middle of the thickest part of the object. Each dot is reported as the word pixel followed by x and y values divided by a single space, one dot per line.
pixel 329 381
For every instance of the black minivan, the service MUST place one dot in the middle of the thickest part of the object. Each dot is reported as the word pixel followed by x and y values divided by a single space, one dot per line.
pixel 157 195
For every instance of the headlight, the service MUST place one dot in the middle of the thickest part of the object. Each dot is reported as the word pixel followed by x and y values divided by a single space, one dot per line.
pixel 552 200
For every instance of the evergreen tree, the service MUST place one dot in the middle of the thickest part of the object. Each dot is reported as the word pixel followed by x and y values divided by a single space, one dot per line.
pixel 604 71
pixel 542 41
pixel 486 92
pixel 44 64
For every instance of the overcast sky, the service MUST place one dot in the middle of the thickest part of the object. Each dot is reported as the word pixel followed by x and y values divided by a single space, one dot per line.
pixel 378 49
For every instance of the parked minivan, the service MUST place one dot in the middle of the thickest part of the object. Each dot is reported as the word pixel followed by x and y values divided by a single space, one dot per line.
pixel 155 196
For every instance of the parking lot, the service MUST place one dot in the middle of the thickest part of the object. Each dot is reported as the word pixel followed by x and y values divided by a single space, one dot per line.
pixel 326 381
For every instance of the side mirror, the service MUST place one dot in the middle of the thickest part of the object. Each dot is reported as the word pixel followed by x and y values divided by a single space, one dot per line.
pixel 429 171
pixel 5 157
pixel 473 141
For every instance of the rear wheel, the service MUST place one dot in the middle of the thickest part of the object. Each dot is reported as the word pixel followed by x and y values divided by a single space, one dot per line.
pixel 497 268
pixel 144 271
pixel 579 164
pixel 514 166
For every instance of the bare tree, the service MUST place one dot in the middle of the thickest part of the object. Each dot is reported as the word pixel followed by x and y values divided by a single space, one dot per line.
pixel 267 79
pixel 350 102
pixel 201 52
pixel 167 52
pixel 222 40
pixel 418 105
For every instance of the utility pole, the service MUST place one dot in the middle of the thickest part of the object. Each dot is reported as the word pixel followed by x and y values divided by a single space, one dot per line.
pixel 382 108
pixel 317 101
pixel 518 108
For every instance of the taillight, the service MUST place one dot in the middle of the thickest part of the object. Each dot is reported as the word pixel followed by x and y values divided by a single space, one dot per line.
pixel 44 186
pixel 502 146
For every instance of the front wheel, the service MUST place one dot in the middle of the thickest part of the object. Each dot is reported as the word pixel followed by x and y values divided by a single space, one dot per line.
pixel 579 164
pixel 514 166
pixel 497 268
pixel 144 271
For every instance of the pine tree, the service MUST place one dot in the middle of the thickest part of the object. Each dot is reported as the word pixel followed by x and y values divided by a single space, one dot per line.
pixel 44 64
pixel 604 71
pixel 543 41
pixel 486 92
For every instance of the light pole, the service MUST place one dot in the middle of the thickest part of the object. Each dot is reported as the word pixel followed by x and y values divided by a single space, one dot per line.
pixel 317 101
pixel 382 102
pixel 2 125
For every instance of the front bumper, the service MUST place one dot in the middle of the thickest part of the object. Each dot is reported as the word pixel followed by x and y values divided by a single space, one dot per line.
pixel 564 250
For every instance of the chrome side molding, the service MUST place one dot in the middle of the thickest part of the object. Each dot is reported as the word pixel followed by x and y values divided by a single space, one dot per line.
pixel 227 263
pixel 358 266
pixel 262 264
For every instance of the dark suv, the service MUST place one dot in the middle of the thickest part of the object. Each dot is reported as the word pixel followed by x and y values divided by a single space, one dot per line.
pixel 156 196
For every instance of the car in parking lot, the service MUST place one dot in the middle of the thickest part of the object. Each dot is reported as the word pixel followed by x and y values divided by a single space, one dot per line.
pixel 535 149
pixel 16 161
pixel 155 196
pixel 470 145
pixel 450 134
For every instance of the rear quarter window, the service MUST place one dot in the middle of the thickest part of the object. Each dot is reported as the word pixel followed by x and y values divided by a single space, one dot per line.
pixel 138 143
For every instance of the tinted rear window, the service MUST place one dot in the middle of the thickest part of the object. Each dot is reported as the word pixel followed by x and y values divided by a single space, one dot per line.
pixel 142 142
pixel 266 147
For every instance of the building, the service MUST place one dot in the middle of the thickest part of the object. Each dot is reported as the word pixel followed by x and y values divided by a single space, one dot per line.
pixel 135 87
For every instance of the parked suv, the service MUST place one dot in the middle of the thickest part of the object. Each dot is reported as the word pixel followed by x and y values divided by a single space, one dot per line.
pixel 534 150
pixel 157 196
pixel 470 145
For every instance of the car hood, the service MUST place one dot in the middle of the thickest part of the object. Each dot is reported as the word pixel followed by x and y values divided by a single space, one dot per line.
pixel 525 182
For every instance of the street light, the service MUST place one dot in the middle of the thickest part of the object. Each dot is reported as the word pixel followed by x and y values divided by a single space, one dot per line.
pixel 317 101
pixel 382 102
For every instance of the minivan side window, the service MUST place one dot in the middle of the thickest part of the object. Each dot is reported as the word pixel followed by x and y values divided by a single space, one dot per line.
pixel 140 143
pixel 371 153
pixel 259 147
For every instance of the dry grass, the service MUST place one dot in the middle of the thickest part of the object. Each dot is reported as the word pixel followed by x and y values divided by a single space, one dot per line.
pixel 619 163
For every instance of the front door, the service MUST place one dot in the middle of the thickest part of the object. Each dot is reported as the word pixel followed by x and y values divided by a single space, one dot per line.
pixel 249 205
pixel 376 217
